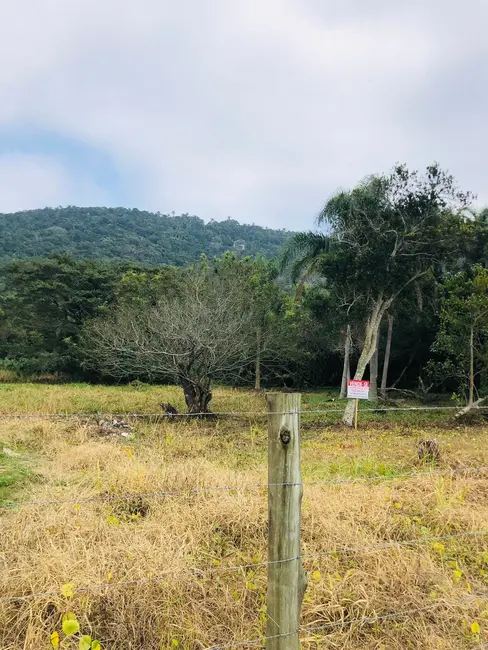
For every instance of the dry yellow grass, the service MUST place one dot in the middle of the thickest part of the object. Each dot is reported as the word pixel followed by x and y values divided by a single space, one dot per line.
pixel 90 543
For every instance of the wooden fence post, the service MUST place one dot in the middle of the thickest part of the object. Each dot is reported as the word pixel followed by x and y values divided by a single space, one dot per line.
pixel 287 580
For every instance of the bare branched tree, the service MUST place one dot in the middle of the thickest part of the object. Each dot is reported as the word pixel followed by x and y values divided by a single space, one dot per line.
pixel 191 339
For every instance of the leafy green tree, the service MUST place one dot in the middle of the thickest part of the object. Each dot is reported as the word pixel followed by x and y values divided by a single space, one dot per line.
pixel 475 239
pixel 273 318
pixel 461 346
pixel 44 304
pixel 382 236
pixel 145 286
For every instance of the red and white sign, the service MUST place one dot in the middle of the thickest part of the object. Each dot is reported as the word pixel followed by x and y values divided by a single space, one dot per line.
pixel 357 389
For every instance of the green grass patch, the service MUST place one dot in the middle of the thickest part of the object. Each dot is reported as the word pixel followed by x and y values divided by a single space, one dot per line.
pixel 14 475
pixel 364 467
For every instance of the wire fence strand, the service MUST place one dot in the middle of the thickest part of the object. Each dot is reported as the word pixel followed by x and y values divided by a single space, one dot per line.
pixel 252 486
pixel 174 416
pixel 200 572
pixel 340 624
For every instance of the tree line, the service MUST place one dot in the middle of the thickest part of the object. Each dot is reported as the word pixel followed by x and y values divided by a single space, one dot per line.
pixel 392 286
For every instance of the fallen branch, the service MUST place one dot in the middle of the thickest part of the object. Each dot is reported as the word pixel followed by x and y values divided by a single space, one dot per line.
pixel 470 407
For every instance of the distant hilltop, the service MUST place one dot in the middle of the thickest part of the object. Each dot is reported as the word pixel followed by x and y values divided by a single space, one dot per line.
pixel 130 234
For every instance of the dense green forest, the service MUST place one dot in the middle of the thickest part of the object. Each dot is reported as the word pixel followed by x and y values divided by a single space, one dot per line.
pixel 134 235
pixel 392 286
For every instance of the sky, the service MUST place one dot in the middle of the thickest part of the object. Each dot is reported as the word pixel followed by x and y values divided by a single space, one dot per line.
pixel 258 110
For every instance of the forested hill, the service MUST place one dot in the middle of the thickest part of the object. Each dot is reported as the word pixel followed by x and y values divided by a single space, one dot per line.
pixel 129 234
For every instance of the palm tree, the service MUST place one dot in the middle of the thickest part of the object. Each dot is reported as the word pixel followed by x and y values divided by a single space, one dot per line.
pixel 302 255
pixel 342 255
pixel 305 254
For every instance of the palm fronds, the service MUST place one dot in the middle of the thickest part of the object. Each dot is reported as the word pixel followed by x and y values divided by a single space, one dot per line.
pixel 301 253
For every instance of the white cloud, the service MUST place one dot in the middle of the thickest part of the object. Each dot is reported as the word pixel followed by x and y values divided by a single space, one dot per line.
pixel 253 109
pixel 29 181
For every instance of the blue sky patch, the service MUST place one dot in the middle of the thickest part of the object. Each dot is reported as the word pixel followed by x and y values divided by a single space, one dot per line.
pixel 78 158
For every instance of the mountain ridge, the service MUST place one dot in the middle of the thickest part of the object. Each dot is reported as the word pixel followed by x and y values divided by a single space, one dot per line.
pixel 129 234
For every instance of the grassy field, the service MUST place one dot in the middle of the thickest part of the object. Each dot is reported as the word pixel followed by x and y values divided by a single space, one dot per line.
pixel 79 509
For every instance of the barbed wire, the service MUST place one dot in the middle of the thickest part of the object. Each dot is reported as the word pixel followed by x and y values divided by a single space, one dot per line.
pixel 199 572
pixel 174 416
pixel 234 488
pixel 344 623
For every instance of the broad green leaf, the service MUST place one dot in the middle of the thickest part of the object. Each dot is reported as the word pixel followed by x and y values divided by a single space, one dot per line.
pixel 85 642
pixel 96 645
pixel 70 624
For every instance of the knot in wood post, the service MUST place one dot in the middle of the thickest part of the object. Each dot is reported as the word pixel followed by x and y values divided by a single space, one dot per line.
pixel 285 435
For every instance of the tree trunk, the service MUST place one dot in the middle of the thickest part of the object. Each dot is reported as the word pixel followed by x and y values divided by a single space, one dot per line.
pixel 373 372
pixel 197 397
pixel 420 296
pixel 386 362
pixel 372 326
pixel 346 370
pixel 257 370
pixel 471 366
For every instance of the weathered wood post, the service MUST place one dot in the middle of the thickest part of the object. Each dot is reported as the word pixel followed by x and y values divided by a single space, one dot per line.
pixel 287 580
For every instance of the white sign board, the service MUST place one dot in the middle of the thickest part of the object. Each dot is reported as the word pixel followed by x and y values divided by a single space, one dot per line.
pixel 357 389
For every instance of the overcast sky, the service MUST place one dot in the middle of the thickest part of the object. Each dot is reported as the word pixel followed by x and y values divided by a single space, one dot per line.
pixel 255 109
